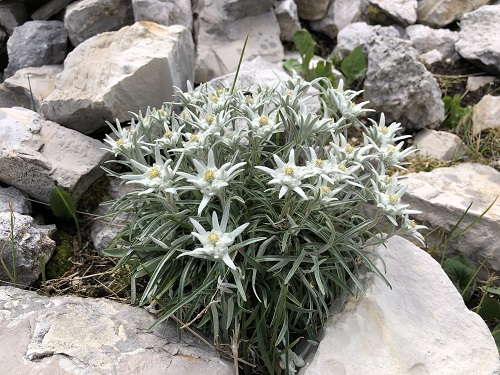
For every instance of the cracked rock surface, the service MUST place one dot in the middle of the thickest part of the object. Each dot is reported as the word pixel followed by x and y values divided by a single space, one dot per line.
pixel 73 335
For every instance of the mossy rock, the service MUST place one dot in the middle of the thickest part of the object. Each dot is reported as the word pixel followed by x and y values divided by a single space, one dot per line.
pixel 60 262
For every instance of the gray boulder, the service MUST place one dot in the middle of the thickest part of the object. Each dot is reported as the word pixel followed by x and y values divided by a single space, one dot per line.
pixel 36 43
pixel 164 12
pixel 32 246
pixel 438 145
pixel 71 335
pixel 10 99
pixel 36 154
pixel 34 83
pixel 85 18
pixel 12 14
pixel 237 9
pixel 419 325
pixel 403 12
pixel 400 86
pixel 341 13
pixel 438 13
pixel 361 34
pixel 485 114
pixel 288 18
pixel 444 194
pixel 312 10
pixel 16 199
pixel 479 38
pixel 113 73
pixel 426 39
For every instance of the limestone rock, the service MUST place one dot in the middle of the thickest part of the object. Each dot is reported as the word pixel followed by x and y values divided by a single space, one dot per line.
pixel 444 194
pixel 288 19
pixel 49 9
pixel 485 114
pixel 103 230
pixel 426 39
pixel 340 14
pixel 403 11
pixel 164 12
pixel 400 86
pixel 237 9
pixel 15 198
pixel 113 73
pixel 439 145
pixel 360 34
pixel 479 39
pixel 36 154
pixel 312 10
pixel 36 83
pixel 220 40
pixel 12 14
pixel 420 326
pixel 437 13
pixel 36 43
pixel 475 83
pixel 9 98
pixel 32 244
pixel 85 18
pixel 72 335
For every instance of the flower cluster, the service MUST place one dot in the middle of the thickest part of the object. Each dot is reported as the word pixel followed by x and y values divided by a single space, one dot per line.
pixel 292 190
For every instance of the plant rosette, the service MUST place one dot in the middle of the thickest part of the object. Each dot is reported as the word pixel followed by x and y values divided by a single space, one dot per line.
pixel 290 192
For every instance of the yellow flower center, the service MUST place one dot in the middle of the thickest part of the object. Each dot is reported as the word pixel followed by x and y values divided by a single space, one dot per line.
pixel 349 148
pixel 168 134
pixel 213 98
pixel 248 99
pixel 264 120
pixel 161 112
pixel 393 198
pixel 153 172
pixel 319 162
pixel 412 223
pixel 219 91
pixel 388 179
pixel 384 130
pixel 193 138
pixel 209 175
pixel 288 171
pixel 186 116
pixel 209 118
pixel 325 189
pixel 342 167
pixel 391 148
pixel 213 237
pixel 129 132
pixel 119 142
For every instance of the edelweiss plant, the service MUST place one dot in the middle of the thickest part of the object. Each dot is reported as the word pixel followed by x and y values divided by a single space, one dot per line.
pixel 291 192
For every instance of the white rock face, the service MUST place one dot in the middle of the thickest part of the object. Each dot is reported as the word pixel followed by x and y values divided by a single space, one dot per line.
pixel 113 73
pixel 361 34
pixel 475 83
pixel 403 11
pixel 288 19
pixel 237 9
pixel 439 145
pixel 426 39
pixel 85 18
pixel 312 10
pixel 437 13
pixel 36 154
pixel 340 14
pixel 31 242
pixel 36 43
pixel 71 335
pixel 16 199
pixel 37 83
pixel 485 114
pixel 444 194
pixel 400 86
pixel 420 326
pixel 221 40
pixel 479 39
pixel 164 12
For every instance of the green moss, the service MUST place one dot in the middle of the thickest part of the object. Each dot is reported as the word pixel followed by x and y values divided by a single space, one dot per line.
pixel 95 195
pixel 60 263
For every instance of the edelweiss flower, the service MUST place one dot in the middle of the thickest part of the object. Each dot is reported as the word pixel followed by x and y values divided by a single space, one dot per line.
pixel 411 228
pixel 171 134
pixel 159 177
pixel 390 200
pixel 288 175
pixel 210 179
pixel 216 243
pixel 126 140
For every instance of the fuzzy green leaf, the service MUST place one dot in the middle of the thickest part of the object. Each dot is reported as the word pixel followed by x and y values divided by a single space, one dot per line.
pixel 354 66
pixel 62 204
pixel 461 271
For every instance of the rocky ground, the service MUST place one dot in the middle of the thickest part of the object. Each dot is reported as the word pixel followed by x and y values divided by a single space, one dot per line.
pixel 72 65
